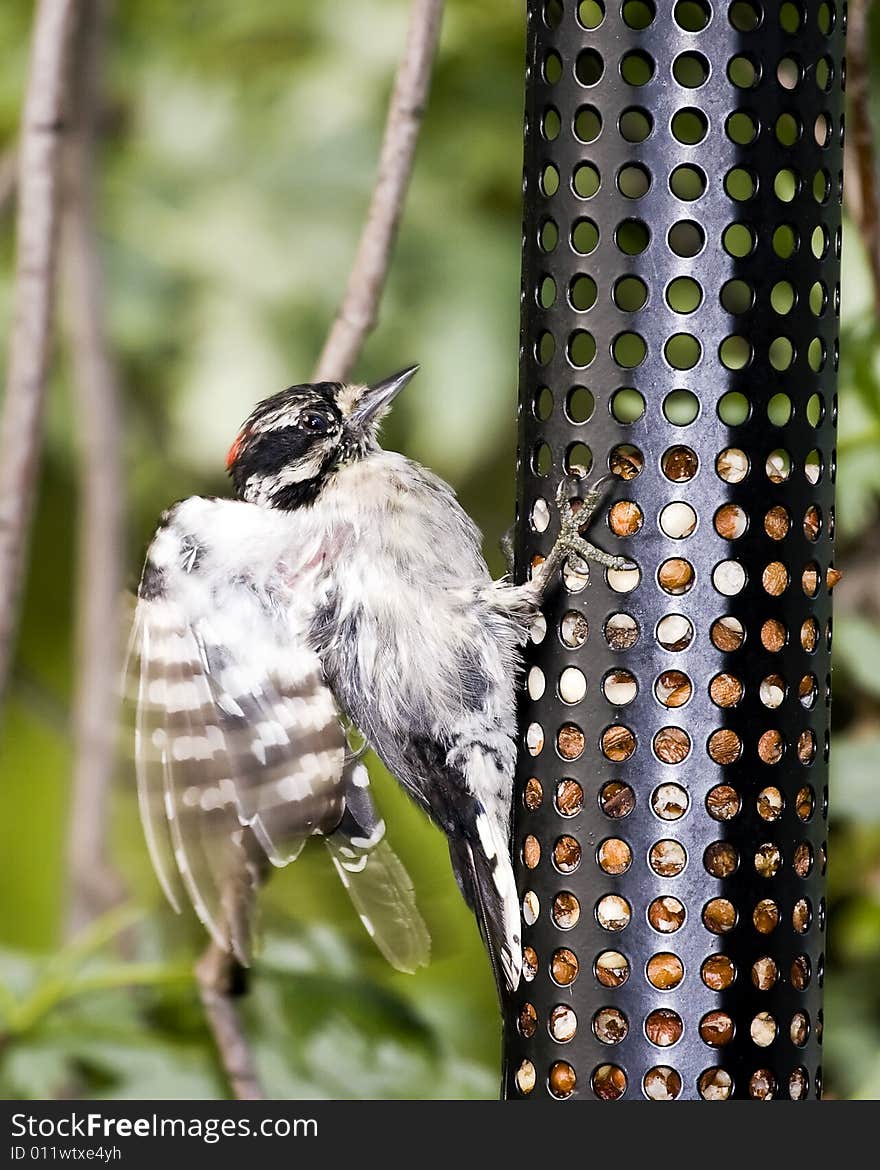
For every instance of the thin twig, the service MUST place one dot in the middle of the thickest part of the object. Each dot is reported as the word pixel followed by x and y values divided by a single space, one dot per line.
pixel 8 177
pixel 866 206
pixel 218 973
pixel 39 185
pixel 93 885
pixel 358 311
pixel 219 978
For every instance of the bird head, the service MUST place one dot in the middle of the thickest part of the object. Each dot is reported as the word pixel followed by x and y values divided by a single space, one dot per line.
pixel 293 441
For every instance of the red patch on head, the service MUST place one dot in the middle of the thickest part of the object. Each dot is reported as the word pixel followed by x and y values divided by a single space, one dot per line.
pixel 236 448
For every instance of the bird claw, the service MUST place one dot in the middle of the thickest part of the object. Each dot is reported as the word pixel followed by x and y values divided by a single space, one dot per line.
pixel 572 521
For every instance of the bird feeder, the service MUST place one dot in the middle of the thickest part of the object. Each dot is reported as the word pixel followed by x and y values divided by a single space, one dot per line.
pixel 680 318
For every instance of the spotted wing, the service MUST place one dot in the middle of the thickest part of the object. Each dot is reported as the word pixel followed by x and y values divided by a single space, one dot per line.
pixel 377 883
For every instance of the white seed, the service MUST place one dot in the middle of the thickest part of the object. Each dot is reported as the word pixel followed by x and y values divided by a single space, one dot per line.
pixel 535 738
pixel 732 465
pixel 563 1024
pixel 678 520
pixel 729 577
pixel 673 630
pixel 619 688
pixel 771 694
pixel 531 908
pixel 536 682
pixel 575 574
pixel 540 515
pixel 763 1029
pixel 623 580
pixel 572 685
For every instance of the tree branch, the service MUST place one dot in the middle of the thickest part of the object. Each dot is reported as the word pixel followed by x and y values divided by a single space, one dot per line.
pixel 220 980
pixel 218 973
pixel 865 207
pixel 93 885
pixel 357 313
pixel 39 183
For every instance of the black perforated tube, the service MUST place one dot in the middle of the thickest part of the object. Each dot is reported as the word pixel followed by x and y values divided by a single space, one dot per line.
pixel 679 327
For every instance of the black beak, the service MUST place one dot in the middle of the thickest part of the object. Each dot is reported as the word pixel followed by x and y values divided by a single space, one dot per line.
pixel 378 397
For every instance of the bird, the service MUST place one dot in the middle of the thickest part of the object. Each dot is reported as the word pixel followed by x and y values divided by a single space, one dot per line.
pixel 341 594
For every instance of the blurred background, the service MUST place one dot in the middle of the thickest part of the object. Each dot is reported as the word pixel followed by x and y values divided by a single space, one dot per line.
pixel 238 145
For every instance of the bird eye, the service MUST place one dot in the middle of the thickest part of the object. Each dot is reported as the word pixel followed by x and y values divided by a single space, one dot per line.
pixel 315 421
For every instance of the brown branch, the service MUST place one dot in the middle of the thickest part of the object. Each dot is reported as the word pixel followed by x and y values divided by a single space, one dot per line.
pixel 39 184
pixel 357 313
pixel 865 207
pixel 93 885
pixel 219 977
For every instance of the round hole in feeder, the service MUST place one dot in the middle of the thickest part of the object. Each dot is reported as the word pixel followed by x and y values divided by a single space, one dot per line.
pixel 785 241
pixel 810 635
pixel 799 1029
pixel 765 916
pixel 812 523
pixel 582 293
pixel 549 236
pixel 718 972
pixel 743 71
pixel 531 907
pixel 609 1082
pixel 681 407
pixel 526 1077
pixel 552 67
pixel 612 969
pixel 665 971
pixel 744 15
pixel 566 854
pixel 581 348
pixel 621 631
pixel 587 124
pixel 805 802
pixel 731 521
pixel 627 405
pixel 630 294
pixel 800 972
pixel 777 522
pixel 570 741
pixel 690 70
pixel 762 1085
pixel 725 690
pixel 590 13
pixel 619 687
pixel 723 802
pixel 573 629
pixel 578 460
pixel 675 576
pixel 667 858
pixel 629 350
pixel 589 67
pixel 579 404
pixel 732 465
pixel 616 799
pixel 772 690
pixel 774 635
pixel 686 238
pixel 672 745
pixel 740 184
pixel 638 14
pixel 569 798
pixel 562 1024
pixel 764 973
pixel 768 860
pixel 771 747
pixel 798 1084
pixel 679 464
pixel 610 1025
pixel 719 915
pixel 584 236
pixel 633 181
pixel 727 633
pixel 720 859
pixel 669 802
pixel 715 1084
pixel 662 1083
pixel 729 578
pixel 636 67
pixel 632 236
pixel 586 180
pixel 742 129
pixel 675 632
pixel 533 794
pixel 737 297
pixel 663 1027
pixel 678 520
pixel 716 1029
pixel 613 912
pixel 549 180
pixel 733 408
pixel 770 803
pixel 531 852
pixel 564 967
pixel 527 1021
pixel 666 915
pixel 617 743
pixel 572 685
pixel 562 1080
pixel 689 126
pixel 673 688
pixel 692 15
pixel 635 124
pixel 566 910
pixel 530 964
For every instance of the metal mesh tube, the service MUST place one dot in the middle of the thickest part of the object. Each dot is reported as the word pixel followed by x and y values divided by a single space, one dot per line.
pixel 680 316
